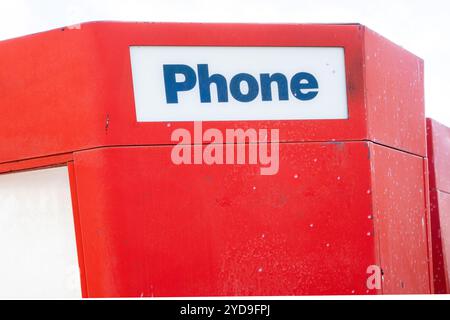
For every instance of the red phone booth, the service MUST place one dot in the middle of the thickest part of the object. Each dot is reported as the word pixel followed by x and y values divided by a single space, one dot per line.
pixel 344 212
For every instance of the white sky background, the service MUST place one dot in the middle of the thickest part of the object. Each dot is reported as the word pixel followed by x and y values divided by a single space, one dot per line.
pixel 421 26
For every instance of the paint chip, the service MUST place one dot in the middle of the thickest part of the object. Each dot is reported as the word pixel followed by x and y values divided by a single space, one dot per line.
pixel 74 27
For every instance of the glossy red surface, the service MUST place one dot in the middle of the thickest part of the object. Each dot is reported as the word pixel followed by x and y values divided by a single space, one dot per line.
pixel 157 229
pixel 394 93
pixel 350 193
pixel 439 162
pixel 400 207
pixel 75 91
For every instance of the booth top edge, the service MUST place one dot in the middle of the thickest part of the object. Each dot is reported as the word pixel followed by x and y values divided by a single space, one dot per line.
pixel 95 23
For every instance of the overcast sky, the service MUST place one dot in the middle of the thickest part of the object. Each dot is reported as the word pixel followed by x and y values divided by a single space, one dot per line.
pixel 422 27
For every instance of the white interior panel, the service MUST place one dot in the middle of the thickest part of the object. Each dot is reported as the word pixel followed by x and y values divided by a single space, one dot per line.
pixel 38 255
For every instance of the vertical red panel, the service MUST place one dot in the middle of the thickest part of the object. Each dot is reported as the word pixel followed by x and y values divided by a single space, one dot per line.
pixel 78 228
pixel 394 90
pixel 444 223
pixel 400 210
pixel 439 154
pixel 426 177
pixel 152 228
pixel 439 164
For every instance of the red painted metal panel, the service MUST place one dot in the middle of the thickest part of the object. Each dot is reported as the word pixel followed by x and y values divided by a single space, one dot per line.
pixel 156 229
pixel 148 227
pixel 75 91
pixel 79 93
pixel 77 225
pixel 400 211
pixel 439 162
pixel 426 175
pixel 41 162
pixel 439 154
pixel 394 95
pixel 51 99
pixel 444 226
pixel 439 271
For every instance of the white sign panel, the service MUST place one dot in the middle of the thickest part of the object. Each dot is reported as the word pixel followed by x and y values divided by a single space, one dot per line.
pixel 238 83
pixel 38 253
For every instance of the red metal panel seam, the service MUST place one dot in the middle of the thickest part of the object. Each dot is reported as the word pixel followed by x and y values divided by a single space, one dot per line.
pixel 62 159
pixel 433 190
pixel 431 181
pixel 78 229
pixel 35 163
pixel 377 244
pixel 428 224
pixel 364 71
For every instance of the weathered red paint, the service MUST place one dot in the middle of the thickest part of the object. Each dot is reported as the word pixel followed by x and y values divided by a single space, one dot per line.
pixel 439 162
pixel 394 93
pixel 78 80
pixel 148 227
pixel 159 229
pixel 400 205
